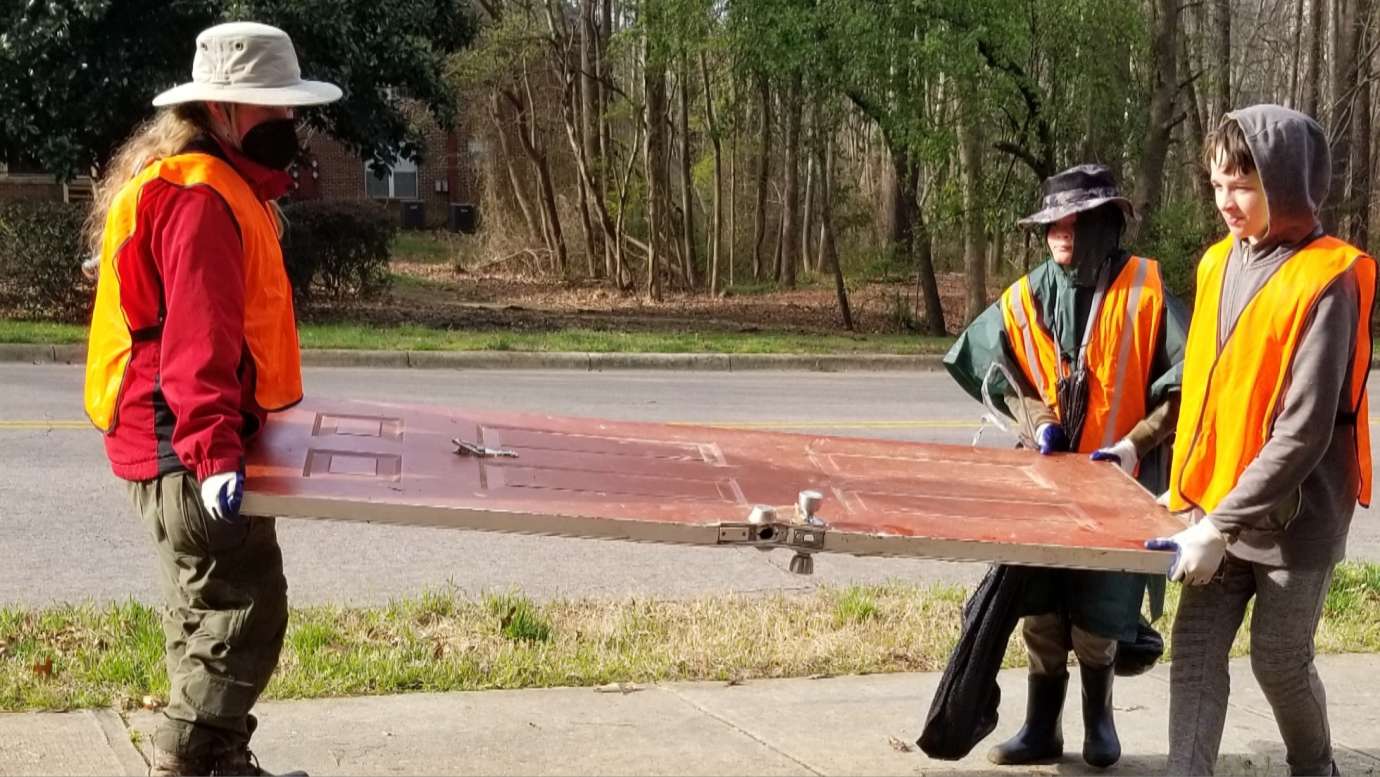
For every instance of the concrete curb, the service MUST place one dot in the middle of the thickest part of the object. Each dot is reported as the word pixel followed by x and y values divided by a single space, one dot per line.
pixel 529 360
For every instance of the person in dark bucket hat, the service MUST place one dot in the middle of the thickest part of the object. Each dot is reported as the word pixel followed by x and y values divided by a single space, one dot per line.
pixel 1085 354
pixel 1078 189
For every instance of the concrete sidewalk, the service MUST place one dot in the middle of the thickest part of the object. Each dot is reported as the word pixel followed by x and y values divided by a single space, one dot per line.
pixel 845 725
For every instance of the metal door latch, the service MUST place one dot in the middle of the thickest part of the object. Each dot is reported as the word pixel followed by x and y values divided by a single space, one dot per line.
pixel 463 448
pixel 764 530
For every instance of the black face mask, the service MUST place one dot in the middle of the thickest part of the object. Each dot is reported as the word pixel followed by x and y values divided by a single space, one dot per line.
pixel 272 143
pixel 1096 236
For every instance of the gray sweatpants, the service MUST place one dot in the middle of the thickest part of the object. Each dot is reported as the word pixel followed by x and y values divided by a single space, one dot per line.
pixel 1288 604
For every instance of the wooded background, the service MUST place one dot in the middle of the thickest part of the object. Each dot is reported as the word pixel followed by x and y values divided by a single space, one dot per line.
pixel 691 145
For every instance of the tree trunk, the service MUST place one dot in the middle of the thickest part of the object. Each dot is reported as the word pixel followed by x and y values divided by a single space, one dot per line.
pixel 1197 132
pixel 1359 201
pixel 621 272
pixel 1297 53
pixel 590 121
pixel 717 230
pixel 916 239
pixel 654 80
pixel 732 205
pixel 828 250
pixel 974 233
pixel 1164 58
pixel 790 213
pixel 807 215
pixel 1221 25
pixel 604 169
pixel 687 184
pixel 776 272
pixel 1313 81
pixel 759 224
pixel 1340 125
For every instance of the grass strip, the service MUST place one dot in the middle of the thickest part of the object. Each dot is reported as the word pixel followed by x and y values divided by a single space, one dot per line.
pixel 420 338
pixel 77 656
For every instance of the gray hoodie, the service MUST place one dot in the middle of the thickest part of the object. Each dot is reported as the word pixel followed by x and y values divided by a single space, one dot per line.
pixel 1293 504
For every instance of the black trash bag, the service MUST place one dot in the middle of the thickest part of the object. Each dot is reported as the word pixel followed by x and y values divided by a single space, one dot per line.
pixel 1141 655
pixel 1072 394
pixel 964 710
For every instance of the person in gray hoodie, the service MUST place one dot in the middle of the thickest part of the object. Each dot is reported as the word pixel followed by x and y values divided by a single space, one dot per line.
pixel 1272 450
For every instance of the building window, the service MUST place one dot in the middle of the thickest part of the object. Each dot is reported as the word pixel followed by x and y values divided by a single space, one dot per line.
pixel 399 183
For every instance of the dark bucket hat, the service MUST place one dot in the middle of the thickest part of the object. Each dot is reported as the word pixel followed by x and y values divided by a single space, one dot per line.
pixel 1075 190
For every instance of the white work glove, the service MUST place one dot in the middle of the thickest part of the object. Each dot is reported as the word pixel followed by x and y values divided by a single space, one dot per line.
pixel 1198 552
pixel 1122 454
pixel 221 495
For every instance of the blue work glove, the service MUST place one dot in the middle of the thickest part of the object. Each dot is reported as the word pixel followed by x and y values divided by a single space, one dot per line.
pixel 1050 438
pixel 1122 454
pixel 221 495
pixel 1198 552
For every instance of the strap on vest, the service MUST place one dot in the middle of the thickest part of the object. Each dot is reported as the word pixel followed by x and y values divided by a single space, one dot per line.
pixel 1346 418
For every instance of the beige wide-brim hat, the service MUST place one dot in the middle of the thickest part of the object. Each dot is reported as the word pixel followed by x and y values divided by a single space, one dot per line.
pixel 251 63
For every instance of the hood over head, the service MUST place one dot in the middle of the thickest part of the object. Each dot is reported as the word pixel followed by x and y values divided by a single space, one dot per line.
pixel 1295 165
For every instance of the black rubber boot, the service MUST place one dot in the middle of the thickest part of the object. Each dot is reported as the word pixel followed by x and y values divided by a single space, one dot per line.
pixel 1101 747
pixel 1041 739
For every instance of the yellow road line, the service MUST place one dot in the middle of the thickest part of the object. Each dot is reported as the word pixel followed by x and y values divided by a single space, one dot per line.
pixel 838 424
pixel 20 425
pixel 43 425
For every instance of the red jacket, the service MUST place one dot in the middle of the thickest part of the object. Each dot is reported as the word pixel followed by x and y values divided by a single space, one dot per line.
pixel 188 400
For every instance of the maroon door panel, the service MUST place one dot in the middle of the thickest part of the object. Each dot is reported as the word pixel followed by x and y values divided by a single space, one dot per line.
pixel 664 483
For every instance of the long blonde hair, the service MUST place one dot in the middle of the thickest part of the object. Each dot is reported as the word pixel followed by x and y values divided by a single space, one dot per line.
pixel 167 133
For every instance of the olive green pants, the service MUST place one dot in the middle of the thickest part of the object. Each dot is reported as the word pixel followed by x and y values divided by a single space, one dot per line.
pixel 225 613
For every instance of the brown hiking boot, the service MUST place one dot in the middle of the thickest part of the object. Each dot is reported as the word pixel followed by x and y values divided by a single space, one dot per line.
pixel 168 765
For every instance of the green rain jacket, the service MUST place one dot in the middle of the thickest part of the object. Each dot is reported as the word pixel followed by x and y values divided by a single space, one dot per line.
pixel 1104 603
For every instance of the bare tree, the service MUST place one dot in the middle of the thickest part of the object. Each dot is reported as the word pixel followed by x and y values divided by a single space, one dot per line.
pixel 790 211
pixel 687 183
pixel 759 224
pixel 654 81
pixel 516 185
pixel 717 238
pixel 828 249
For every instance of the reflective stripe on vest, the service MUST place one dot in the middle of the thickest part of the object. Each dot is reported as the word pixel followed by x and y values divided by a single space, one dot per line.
pixel 270 328
pixel 1231 396
pixel 1120 350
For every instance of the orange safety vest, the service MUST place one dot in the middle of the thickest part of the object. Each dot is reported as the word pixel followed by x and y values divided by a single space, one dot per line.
pixel 1231 395
pixel 270 328
pixel 1120 350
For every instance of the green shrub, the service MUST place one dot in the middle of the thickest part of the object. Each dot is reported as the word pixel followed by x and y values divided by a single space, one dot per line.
pixel 338 249
pixel 40 261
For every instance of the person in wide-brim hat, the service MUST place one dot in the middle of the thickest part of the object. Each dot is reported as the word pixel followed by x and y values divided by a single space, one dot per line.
pixel 1092 342
pixel 193 342
pixel 1078 189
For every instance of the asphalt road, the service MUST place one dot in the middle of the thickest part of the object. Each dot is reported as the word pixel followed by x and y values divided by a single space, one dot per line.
pixel 67 532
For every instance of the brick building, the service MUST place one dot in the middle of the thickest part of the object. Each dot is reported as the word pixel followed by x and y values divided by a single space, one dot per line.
pixel 446 173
